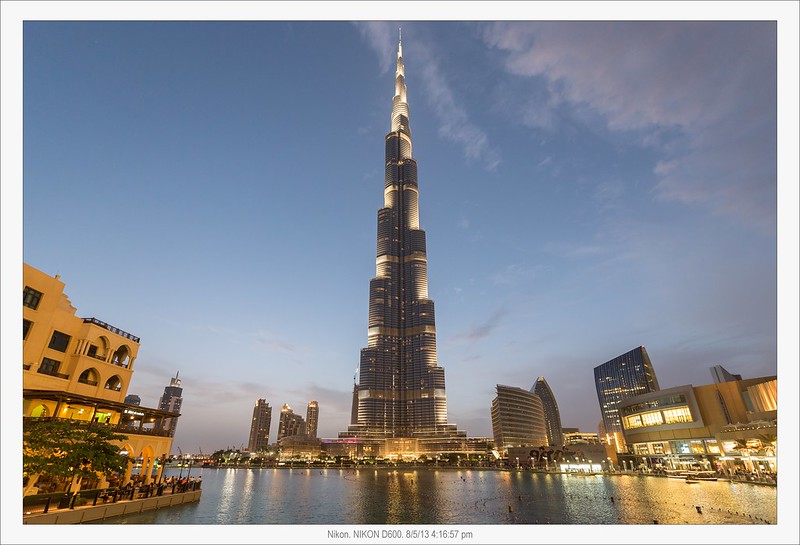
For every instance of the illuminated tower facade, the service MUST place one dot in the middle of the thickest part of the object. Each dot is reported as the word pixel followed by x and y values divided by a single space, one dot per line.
pixel 400 390
pixel 552 418
pixel 171 401
pixel 518 419
pixel 290 424
pixel 625 376
pixel 312 418
pixel 259 426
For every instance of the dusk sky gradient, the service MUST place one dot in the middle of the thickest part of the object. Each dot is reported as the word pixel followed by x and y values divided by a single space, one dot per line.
pixel 586 188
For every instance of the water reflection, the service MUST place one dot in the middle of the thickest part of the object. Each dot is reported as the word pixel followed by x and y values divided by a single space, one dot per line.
pixel 422 496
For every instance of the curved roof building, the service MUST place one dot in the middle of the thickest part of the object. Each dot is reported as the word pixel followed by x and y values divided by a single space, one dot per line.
pixel 518 419
pixel 552 418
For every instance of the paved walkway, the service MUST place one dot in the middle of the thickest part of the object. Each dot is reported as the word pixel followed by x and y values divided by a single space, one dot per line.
pixel 100 511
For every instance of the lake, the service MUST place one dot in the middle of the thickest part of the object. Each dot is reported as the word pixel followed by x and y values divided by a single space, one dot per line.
pixel 389 496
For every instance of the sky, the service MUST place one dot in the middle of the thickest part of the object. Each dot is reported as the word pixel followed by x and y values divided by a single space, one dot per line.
pixel 586 187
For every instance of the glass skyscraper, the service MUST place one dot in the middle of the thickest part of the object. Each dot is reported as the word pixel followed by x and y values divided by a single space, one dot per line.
pixel 400 390
pixel 625 376
pixel 171 401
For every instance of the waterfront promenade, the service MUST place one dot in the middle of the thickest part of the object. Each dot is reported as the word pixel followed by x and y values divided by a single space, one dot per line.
pixel 104 506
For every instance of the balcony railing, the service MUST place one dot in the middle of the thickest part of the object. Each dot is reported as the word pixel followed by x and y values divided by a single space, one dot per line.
pixel 120 428
pixel 111 328
pixel 52 373
pixel 143 431
pixel 89 382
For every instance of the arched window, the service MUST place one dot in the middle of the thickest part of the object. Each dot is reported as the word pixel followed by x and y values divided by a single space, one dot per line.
pixel 114 383
pixel 40 412
pixel 98 349
pixel 121 357
pixel 89 376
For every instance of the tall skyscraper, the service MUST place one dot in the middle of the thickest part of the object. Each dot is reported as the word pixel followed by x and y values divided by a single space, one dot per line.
pixel 401 390
pixel 552 418
pixel 625 376
pixel 312 418
pixel 171 402
pixel 290 424
pixel 518 419
pixel 259 426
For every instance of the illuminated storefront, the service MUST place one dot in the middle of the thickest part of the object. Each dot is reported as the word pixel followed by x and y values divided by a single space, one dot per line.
pixel 728 427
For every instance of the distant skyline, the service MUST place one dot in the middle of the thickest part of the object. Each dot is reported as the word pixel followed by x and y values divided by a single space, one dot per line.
pixel 586 188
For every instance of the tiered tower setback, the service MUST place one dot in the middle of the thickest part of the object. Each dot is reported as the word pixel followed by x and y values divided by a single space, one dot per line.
pixel 401 389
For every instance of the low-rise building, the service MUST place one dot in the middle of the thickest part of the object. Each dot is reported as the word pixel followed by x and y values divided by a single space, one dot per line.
pixel 730 426
pixel 81 368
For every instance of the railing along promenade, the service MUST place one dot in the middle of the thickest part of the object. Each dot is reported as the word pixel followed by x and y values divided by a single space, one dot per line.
pixel 98 504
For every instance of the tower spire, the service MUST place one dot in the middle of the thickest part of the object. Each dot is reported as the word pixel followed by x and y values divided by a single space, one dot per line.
pixel 400 388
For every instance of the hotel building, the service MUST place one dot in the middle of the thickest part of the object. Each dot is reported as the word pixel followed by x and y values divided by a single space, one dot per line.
pixel 81 368
pixel 290 424
pixel 552 418
pixel 259 427
pixel 312 418
pixel 518 419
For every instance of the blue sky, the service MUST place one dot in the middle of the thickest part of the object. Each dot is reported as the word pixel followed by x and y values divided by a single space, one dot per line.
pixel 586 188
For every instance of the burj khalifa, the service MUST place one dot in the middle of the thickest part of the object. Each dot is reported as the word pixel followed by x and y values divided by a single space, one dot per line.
pixel 400 391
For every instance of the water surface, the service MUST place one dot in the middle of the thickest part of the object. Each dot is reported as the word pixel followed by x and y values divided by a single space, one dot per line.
pixel 451 496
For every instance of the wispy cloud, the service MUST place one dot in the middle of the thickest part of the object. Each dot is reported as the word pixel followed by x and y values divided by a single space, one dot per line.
pixel 271 341
pixel 482 330
pixel 380 37
pixel 704 94
pixel 455 124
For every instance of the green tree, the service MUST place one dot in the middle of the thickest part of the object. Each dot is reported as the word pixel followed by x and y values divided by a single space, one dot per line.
pixel 64 448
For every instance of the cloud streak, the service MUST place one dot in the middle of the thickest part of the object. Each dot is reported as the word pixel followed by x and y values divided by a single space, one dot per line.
pixel 482 330
pixel 454 122
pixel 703 94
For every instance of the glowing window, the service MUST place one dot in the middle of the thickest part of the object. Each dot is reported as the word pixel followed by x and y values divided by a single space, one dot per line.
pixel 652 419
pixel 677 415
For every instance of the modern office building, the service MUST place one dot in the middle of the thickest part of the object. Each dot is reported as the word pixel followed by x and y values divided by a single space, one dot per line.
pixel 290 424
pixel 312 418
pixel 259 426
pixel 81 368
pixel 552 418
pixel 133 399
pixel 171 402
pixel 730 425
pixel 618 379
pixel 518 419
pixel 720 374
pixel 401 388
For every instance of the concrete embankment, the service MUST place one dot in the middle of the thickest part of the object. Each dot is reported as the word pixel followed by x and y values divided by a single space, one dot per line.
pixel 94 513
